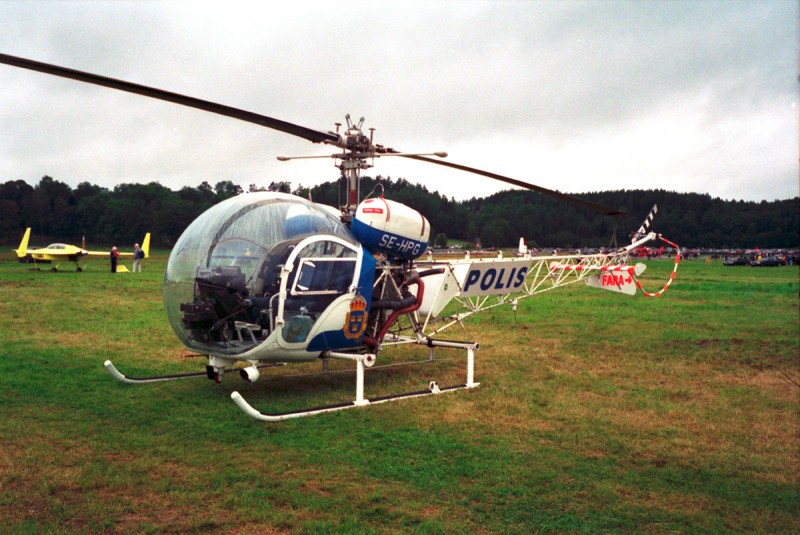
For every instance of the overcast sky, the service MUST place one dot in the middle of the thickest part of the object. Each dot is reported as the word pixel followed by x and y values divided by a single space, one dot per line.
pixel 694 96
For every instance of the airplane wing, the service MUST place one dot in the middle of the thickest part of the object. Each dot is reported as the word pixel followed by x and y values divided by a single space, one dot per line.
pixel 105 253
pixel 145 248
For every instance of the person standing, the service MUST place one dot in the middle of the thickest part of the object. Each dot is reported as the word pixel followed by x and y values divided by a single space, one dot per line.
pixel 138 254
pixel 114 258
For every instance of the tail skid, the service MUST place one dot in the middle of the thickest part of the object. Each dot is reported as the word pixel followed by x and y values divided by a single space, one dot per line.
pixel 672 275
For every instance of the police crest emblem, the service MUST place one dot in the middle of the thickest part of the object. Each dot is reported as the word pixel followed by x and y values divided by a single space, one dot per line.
pixel 356 321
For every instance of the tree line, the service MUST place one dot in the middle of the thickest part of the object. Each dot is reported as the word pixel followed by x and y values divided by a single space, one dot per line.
pixel 57 212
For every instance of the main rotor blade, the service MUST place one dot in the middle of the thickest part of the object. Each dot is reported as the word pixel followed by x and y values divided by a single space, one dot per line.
pixel 513 181
pixel 315 136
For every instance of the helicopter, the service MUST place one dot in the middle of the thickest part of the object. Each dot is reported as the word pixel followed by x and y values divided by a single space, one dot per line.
pixel 64 252
pixel 268 278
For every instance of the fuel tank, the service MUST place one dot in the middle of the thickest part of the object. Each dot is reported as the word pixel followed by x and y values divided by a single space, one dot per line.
pixel 391 228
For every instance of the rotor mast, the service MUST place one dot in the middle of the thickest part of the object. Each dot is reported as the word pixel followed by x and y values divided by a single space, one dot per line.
pixel 357 147
pixel 358 152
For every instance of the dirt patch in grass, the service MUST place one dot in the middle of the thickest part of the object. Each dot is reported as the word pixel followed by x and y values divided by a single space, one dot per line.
pixel 42 485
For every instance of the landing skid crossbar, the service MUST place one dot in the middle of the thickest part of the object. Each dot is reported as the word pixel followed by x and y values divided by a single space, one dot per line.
pixel 363 361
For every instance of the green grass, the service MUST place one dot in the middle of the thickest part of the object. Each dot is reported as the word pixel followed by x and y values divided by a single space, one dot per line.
pixel 596 413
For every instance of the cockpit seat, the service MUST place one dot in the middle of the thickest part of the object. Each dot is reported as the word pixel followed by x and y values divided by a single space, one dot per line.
pixel 268 280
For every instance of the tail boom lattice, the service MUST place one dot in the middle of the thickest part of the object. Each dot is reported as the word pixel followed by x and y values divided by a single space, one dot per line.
pixel 550 272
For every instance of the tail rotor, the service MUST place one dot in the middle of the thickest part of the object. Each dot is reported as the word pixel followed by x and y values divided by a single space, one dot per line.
pixel 645 228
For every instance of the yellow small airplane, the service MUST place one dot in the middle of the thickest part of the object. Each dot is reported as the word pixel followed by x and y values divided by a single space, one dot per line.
pixel 62 252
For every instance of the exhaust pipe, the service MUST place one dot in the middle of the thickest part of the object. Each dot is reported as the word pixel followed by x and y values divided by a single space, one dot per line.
pixel 249 374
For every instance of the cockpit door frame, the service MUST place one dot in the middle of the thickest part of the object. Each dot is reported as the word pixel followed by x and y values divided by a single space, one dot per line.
pixel 287 268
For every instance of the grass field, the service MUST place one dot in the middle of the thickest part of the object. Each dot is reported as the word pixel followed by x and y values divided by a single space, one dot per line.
pixel 596 413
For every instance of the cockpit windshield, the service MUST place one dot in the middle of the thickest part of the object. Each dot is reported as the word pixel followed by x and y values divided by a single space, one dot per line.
pixel 224 272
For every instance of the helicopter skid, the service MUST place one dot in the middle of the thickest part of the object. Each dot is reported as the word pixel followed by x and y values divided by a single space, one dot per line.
pixel 158 378
pixel 363 361
pixel 433 389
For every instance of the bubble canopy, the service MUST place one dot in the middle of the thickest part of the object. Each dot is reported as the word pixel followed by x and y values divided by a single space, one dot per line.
pixel 236 236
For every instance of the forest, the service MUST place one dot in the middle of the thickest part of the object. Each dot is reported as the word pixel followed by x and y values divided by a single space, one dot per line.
pixel 58 212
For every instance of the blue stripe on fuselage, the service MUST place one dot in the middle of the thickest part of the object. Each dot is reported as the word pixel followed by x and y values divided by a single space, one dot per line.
pixel 380 241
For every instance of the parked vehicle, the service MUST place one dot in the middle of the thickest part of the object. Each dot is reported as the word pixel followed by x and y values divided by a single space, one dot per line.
pixel 737 261
pixel 767 261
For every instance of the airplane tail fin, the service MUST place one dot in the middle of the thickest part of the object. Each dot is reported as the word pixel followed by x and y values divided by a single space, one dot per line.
pixel 146 245
pixel 23 245
pixel 522 250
